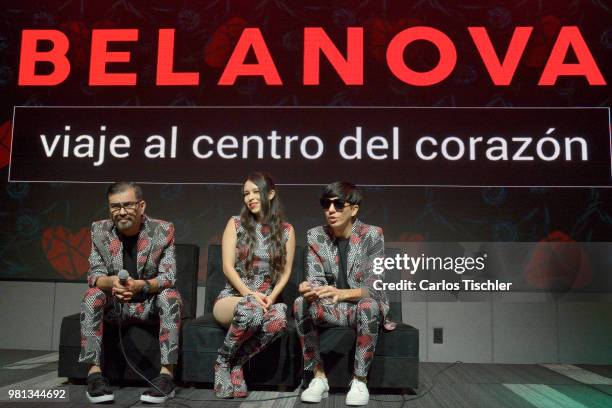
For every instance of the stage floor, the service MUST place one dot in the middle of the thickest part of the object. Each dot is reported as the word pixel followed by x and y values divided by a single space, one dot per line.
pixel 464 385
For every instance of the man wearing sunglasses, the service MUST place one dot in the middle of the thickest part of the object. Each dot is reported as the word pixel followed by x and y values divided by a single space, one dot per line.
pixel 339 289
pixel 144 247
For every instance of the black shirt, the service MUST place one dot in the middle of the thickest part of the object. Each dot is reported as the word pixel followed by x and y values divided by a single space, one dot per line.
pixel 130 255
pixel 343 246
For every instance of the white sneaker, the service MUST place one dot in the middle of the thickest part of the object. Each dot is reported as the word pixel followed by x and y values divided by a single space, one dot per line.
pixel 358 394
pixel 316 391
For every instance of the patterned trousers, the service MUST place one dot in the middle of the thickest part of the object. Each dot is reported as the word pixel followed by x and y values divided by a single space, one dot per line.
pixel 98 306
pixel 251 331
pixel 363 316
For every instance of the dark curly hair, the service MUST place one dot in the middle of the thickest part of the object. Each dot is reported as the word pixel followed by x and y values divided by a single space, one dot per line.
pixel 271 217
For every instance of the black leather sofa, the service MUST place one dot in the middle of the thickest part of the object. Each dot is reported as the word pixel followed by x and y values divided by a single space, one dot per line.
pixel 140 340
pixel 395 363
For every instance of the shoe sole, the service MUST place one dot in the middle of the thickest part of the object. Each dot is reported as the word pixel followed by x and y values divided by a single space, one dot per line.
pixel 156 400
pixel 356 404
pixel 100 399
pixel 314 399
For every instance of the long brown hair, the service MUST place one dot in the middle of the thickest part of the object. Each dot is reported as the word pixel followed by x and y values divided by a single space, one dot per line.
pixel 271 217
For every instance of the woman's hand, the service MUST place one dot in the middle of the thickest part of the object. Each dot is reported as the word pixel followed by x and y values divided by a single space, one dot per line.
pixel 262 299
pixel 271 299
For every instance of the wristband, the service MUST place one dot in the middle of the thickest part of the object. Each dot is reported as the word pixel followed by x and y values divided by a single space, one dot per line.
pixel 146 288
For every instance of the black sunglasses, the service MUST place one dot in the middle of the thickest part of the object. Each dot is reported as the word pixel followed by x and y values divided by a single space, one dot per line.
pixel 338 203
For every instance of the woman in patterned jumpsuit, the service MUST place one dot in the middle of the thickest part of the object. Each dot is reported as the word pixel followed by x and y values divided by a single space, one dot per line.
pixel 257 251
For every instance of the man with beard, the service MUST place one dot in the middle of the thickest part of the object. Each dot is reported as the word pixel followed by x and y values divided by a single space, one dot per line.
pixel 144 247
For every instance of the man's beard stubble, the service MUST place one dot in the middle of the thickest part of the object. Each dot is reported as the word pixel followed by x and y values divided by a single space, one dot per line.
pixel 125 225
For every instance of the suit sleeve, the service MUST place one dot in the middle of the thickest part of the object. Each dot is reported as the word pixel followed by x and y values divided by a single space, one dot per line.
pixel 166 271
pixel 375 250
pixel 97 268
pixel 314 265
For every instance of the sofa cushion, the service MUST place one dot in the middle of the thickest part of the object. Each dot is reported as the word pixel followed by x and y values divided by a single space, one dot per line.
pixel 401 342
pixel 140 341
pixel 278 364
pixel 187 260
pixel 205 335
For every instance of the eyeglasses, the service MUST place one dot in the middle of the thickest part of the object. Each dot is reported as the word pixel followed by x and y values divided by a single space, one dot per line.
pixel 128 206
pixel 338 203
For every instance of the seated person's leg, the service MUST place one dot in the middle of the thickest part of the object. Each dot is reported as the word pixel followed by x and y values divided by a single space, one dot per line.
pixel 366 321
pixel 308 334
pixel 364 317
pixel 309 316
pixel 92 317
pixel 223 310
pixel 167 305
pixel 273 325
pixel 248 318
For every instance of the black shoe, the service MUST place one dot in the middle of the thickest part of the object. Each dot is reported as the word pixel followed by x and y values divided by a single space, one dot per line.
pixel 98 390
pixel 163 390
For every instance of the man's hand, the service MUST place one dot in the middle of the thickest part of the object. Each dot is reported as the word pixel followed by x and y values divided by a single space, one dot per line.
pixel 307 291
pixel 133 286
pixel 119 291
pixel 332 292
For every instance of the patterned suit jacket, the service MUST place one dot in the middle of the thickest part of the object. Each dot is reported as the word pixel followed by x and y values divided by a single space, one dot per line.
pixel 366 243
pixel 155 257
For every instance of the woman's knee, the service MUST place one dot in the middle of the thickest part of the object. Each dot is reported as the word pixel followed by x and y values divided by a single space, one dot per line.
pixel 224 308
pixel 248 311
pixel 276 325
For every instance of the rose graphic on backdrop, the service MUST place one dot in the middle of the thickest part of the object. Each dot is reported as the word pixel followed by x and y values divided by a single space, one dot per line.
pixel 80 37
pixel 66 251
pixel 545 33
pixel 221 45
pixel 558 263
pixel 5 143
pixel 379 32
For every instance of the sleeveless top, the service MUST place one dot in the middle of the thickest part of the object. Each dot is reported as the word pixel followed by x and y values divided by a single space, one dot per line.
pixel 260 279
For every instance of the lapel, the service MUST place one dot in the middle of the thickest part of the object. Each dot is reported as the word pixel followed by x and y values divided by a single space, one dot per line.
pixel 116 262
pixel 332 251
pixel 353 250
pixel 144 244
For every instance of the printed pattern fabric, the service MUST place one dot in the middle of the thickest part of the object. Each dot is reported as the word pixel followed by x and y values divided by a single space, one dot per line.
pixel 156 253
pixel 260 279
pixel 363 316
pixel 252 328
pixel 365 244
pixel 97 306
pixel 155 259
